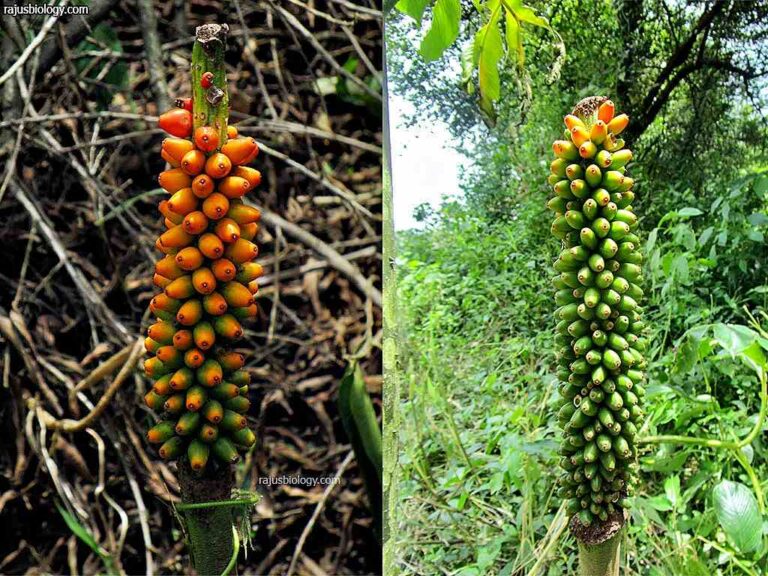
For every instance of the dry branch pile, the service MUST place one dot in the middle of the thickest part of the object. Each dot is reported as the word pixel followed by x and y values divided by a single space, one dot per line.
pixel 80 492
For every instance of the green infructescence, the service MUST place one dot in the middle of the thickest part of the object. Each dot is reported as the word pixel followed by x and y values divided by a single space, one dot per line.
pixel 599 318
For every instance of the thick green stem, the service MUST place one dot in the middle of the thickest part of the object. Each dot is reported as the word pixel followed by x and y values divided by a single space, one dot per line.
pixel 599 544
pixel 600 559
pixel 210 106
pixel 209 529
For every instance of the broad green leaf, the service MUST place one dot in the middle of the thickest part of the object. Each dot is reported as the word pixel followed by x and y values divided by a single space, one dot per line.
pixel 467 65
pixel 689 211
pixel 491 51
pixel 413 8
pixel 733 338
pixel 736 510
pixel 446 17
pixel 514 38
pixel 672 490
pixel 526 14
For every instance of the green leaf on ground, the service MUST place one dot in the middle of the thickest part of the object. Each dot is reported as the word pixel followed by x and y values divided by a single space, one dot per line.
pixel 736 510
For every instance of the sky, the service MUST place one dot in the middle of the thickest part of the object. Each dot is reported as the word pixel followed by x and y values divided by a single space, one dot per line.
pixel 424 166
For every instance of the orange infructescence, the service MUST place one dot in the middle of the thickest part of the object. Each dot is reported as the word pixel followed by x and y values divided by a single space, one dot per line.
pixel 208 279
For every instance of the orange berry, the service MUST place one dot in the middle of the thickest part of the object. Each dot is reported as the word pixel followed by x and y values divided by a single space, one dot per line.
pixel 180 288
pixel 153 400
pixel 182 379
pixel 213 411
pixel 210 373
pixel 176 237
pixel 211 246
pixel 605 111
pixel 617 125
pixel 231 132
pixel 161 332
pixel 175 148
pixel 150 345
pixel 183 202
pixel 174 404
pixel 202 185
pixel 182 339
pixel 218 165
pixel 228 327
pixel 165 210
pixel 228 230
pixel 223 269
pixel 241 251
pixel 251 174
pixel 244 214
pixel 162 386
pixel 249 231
pixel 249 271
pixel 230 361
pixel 240 149
pixel 196 397
pixel 194 358
pixel 168 158
pixel 204 335
pixel 234 186
pixel 216 206
pixel 173 180
pixel 163 302
pixel 193 162
pixel 237 295
pixel 204 281
pixel 214 304
pixel 195 222
pixel 248 312
pixel 190 313
pixel 189 258
pixel 177 122
pixel 579 135
pixel 160 281
pixel 206 138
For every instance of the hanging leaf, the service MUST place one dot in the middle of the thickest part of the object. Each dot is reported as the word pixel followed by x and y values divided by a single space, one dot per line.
pixel 526 14
pixel 737 512
pixel 443 31
pixel 413 8
pixel 490 50
pixel 514 38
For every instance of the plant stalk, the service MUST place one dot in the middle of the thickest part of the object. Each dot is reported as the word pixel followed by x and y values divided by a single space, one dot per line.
pixel 210 106
pixel 209 529
pixel 600 559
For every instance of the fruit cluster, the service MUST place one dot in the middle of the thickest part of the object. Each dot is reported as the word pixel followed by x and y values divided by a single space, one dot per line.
pixel 600 360
pixel 208 279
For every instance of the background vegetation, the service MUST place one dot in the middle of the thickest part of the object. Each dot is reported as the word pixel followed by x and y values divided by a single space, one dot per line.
pixel 79 159
pixel 479 435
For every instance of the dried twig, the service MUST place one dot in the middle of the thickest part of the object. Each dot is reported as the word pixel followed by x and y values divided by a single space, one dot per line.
pixel 335 259
pixel 67 425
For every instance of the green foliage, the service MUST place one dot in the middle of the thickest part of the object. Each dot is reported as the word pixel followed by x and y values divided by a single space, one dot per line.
pixel 737 511
pixel 479 434
pixel 487 48
pixel 110 74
